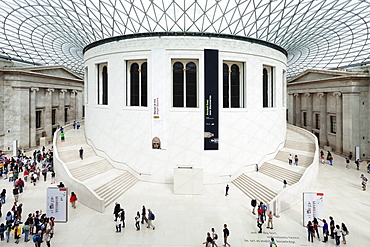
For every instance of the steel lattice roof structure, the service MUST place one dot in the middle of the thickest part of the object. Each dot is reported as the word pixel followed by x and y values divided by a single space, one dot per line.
pixel 322 34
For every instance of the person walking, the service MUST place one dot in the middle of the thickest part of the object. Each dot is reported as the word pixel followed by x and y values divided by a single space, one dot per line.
pixel 269 221
pixel 226 235
pixel 47 237
pixel 347 163
pixel 284 183
pixel 143 215
pixel 214 237
pixel 273 243
pixel 118 222
pixel 208 241
pixel 227 190
pixel 116 210
pixel 344 232
pixel 363 182
pixel 26 230
pixel 357 162
pixel 62 136
pixel 123 218
pixel 17 232
pixel 151 217
pixel 290 159
pixel 37 239
pixel 81 151
pixel 253 204
pixel 3 196
pixel 73 199
pixel 137 221
pixel 296 160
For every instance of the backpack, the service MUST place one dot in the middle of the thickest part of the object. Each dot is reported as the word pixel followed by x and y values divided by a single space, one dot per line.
pixel 264 207
pixel 273 245
pixel 153 217
pixel 35 238
pixel 216 236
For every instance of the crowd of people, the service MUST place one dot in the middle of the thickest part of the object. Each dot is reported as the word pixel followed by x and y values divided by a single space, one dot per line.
pixel 20 170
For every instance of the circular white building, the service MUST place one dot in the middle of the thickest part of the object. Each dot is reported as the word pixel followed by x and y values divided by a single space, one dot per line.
pixel 158 101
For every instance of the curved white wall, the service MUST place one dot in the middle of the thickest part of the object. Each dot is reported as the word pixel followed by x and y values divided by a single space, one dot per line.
pixel 246 135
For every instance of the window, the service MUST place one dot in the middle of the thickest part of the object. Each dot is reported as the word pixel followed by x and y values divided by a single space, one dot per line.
pixel 38 119
pixel 317 121
pixel 233 87
pixel 185 86
pixel 304 118
pixel 268 89
pixel 333 124
pixel 53 114
pixel 102 84
pixel 137 86
pixel 66 115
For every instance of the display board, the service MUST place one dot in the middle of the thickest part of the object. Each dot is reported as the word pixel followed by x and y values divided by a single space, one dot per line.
pixel 57 203
pixel 211 99
pixel 313 206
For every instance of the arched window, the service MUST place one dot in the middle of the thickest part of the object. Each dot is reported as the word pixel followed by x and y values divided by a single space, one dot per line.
pixel 185 86
pixel 233 86
pixel 102 84
pixel 137 86
pixel 268 89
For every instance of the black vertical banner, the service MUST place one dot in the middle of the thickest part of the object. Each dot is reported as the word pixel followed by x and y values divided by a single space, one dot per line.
pixel 211 99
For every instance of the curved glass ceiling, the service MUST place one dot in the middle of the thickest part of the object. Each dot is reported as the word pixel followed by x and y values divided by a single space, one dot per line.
pixel 322 34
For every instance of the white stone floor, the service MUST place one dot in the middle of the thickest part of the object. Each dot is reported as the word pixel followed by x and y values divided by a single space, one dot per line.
pixel 184 220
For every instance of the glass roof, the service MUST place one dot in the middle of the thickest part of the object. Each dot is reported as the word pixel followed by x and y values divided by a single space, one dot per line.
pixel 322 34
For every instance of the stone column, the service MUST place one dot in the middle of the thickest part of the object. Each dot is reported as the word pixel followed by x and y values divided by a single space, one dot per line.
pixel 291 108
pixel 32 114
pixel 79 104
pixel 72 107
pixel 48 103
pixel 61 105
pixel 309 111
pixel 323 119
pixel 339 139
pixel 351 123
pixel 298 110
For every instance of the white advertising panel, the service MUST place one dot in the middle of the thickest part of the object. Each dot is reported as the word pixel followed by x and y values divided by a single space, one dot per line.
pixel 57 203
pixel 313 206
pixel 159 140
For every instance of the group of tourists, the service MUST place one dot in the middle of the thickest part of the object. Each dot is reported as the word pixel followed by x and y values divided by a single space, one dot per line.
pixel 36 224
pixel 119 218
pixel 212 237
pixel 336 232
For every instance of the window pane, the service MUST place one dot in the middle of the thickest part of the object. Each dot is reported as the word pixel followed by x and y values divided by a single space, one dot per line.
pixel 38 119
pixel 144 85
pixel 235 86
pixel 191 85
pixel 226 85
pixel 178 85
pixel 105 85
pixel 53 113
pixel 134 86
pixel 265 88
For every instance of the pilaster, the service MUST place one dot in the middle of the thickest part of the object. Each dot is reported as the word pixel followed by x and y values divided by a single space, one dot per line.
pixel 323 119
pixel 32 116
pixel 309 111
pixel 298 110
pixel 60 110
pixel 339 138
pixel 48 103
pixel 72 107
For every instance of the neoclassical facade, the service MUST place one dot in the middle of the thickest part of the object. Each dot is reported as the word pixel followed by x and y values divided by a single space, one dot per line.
pixel 35 101
pixel 334 105
pixel 157 102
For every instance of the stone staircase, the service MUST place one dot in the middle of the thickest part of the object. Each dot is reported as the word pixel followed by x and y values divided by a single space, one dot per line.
pixel 94 171
pixel 265 184
pixel 254 189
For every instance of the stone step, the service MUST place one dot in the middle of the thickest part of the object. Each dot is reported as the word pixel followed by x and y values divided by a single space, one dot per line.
pixel 280 173
pixel 254 189
pixel 303 146
pixel 90 170
pixel 303 160
pixel 115 187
